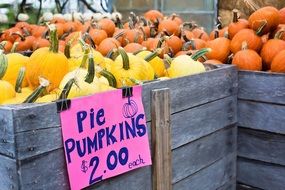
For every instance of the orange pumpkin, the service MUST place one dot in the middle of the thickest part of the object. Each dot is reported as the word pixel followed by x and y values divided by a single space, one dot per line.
pixel 282 15
pixel 170 26
pixel 133 47
pixel 153 15
pixel 108 25
pixel 278 63
pixel 237 24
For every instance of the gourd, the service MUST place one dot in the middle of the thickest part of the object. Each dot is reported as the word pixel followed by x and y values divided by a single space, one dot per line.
pixel 247 59
pixel 48 63
pixel 126 67
pixel 184 65
pixel 278 63
pixel 6 89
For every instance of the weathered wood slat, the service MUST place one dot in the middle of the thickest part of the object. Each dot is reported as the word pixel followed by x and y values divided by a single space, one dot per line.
pixel 260 145
pixel 190 124
pixel 230 185
pixel 211 177
pixel 47 171
pixel 8 173
pixel 261 116
pixel 260 174
pixel 190 91
pixel 246 187
pixel 201 153
pixel 161 140
pixel 31 143
pixel 7 143
pixel 262 86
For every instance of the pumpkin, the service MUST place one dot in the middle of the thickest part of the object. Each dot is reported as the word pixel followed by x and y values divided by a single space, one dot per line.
pixel 6 46
pixel 251 37
pixel 133 47
pixel 200 33
pixel 268 14
pixel 39 43
pixel 6 89
pixel 107 45
pixel 153 15
pixel 247 59
pixel 15 62
pixel 48 63
pixel 282 15
pixel 108 25
pixel 24 43
pixel 98 35
pixel 213 61
pixel 278 63
pixel 174 43
pixel 185 65
pixel 170 26
pixel 271 48
pixel 127 67
pixel 156 63
pixel 220 49
pixel 236 25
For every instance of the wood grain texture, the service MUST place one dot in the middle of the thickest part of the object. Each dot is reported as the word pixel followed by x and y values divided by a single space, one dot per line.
pixel 8 173
pixel 260 145
pixel 190 91
pixel 261 116
pixel 161 140
pixel 230 185
pixel 35 142
pixel 47 171
pixel 36 116
pixel 7 142
pixel 200 121
pixel 262 86
pixel 212 177
pixel 246 187
pixel 201 153
pixel 260 174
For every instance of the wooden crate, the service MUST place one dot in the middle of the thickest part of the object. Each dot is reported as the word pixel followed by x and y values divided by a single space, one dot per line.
pixel 203 125
pixel 261 133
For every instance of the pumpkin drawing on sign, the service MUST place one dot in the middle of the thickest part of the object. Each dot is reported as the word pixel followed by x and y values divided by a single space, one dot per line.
pixel 130 108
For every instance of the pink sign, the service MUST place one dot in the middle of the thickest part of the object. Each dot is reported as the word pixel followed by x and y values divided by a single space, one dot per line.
pixel 104 135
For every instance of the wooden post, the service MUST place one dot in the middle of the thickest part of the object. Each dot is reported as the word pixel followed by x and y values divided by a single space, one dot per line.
pixel 161 140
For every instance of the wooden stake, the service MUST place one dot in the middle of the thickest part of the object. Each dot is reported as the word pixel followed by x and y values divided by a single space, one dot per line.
pixel 161 140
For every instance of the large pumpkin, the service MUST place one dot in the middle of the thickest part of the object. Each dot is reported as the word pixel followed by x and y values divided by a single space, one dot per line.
pixel 48 63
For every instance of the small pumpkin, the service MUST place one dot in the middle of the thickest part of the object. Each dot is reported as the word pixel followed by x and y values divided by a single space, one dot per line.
pixel 278 63
pixel 247 59
pixel 153 15
pixel 170 26
pixel 237 24
pixel 282 15
pixel 48 63
pixel 108 25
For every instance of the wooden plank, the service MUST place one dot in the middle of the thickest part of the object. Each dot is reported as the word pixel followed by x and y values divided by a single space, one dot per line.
pixel 201 153
pixel 230 185
pixel 262 116
pixel 262 86
pixel 260 145
pixel 212 177
pixel 161 140
pixel 8 173
pixel 200 121
pixel 47 171
pixel 139 179
pixel 7 144
pixel 190 91
pixel 36 116
pixel 260 174
pixel 35 142
pixel 246 187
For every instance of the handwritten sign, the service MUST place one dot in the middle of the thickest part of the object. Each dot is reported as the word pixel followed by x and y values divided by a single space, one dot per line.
pixel 104 135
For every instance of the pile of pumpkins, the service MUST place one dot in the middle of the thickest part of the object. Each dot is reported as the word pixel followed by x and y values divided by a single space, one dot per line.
pixel 78 57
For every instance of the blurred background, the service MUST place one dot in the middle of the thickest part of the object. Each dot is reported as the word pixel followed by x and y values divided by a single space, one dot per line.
pixel 204 12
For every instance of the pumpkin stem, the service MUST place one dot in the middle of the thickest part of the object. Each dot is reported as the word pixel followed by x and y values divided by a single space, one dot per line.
pixel 144 21
pixel 138 51
pixel 191 43
pixel 235 16
pixel 38 91
pixel 216 32
pixel 87 36
pixel 279 34
pixel 168 59
pixel 53 39
pixel 125 58
pixel 219 23
pixel 133 17
pixel 91 69
pixel 120 34
pixel 3 64
pixel 3 44
pixel 152 31
pixel 259 30
pixel 119 22
pixel 108 75
pixel 14 47
pixel 153 55
pixel 161 40
pixel 200 53
pixel 226 34
pixel 85 56
pixel 112 54
pixel 20 35
pixel 244 45
pixel 20 79
pixel 67 50
pixel 187 25
pixel 66 89
pixel 143 32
